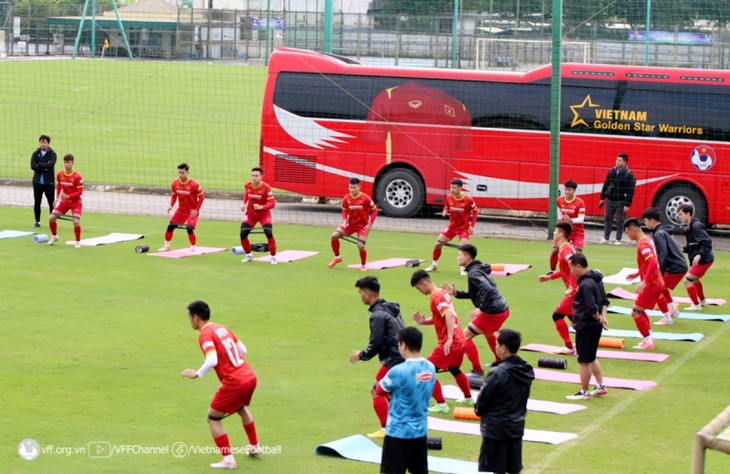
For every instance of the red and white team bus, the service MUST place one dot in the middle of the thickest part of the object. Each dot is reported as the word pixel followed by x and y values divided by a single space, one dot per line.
pixel 406 132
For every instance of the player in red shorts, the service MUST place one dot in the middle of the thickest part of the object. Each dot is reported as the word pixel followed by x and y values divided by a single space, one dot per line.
pixel 69 187
pixel 359 213
pixel 463 215
pixel 258 201
pixel 189 196
pixel 565 307
pixel 449 353
pixel 571 209
pixel 701 258
pixel 224 353
pixel 671 261
pixel 650 289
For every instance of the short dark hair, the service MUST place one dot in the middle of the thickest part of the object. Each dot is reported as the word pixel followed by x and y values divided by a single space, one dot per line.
pixel 183 166
pixel 68 157
pixel 200 309
pixel 354 181
pixel 579 259
pixel 571 184
pixel 652 213
pixel 45 137
pixel 368 283
pixel 418 276
pixel 510 339
pixel 632 222
pixel 624 157
pixel 469 249
pixel 412 337
pixel 457 182
pixel 565 227
pixel 257 168
pixel 687 209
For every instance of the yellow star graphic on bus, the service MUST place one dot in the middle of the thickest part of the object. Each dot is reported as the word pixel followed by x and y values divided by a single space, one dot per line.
pixel 576 114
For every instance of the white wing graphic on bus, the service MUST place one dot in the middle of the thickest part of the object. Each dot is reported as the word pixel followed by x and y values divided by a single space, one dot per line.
pixel 497 188
pixel 308 131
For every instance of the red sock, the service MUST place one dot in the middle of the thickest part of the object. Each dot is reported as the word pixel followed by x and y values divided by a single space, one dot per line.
pixel 380 404
pixel 562 328
pixel 436 253
pixel 363 256
pixel 472 353
pixel 251 433
pixel 192 238
pixel 700 290
pixel 553 261
pixel 667 295
pixel 77 233
pixel 492 341
pixel 438 394
pixel 335 246
pixel 463 382
pixel 272 246
pixel 168 236
pixel 54 227
pixel 642 324
pixel 223 444
pixel 692 292
pixel 663 305
pixel 246 244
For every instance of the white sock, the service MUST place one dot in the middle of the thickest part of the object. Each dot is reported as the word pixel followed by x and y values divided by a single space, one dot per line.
pixel 229 458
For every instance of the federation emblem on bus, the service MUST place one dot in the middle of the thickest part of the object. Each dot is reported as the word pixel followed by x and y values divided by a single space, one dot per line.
pixel 703 157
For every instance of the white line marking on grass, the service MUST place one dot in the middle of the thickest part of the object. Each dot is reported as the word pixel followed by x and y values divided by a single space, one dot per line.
pixel 624 404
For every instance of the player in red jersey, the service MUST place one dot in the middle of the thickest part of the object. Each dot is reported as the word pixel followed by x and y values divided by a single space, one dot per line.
pixel 189 196
pixel 463 214
pixel 224 353
pixel 69 187
pixel 359 213
pixel 565 307
pixel 571 209
pixel 650 289
pixel 449 353
pixel 258 201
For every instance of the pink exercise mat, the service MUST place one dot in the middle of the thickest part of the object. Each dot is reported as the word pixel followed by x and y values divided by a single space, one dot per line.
pixel 509 269
pixel 555 376
pixel 186 252
pixel 627 295
pixel 468 428
pixel 601 354
pixel 287 256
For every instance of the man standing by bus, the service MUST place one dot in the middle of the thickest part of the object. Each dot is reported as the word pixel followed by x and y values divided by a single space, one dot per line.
pixel 359 213
pixel 617 194
pixel 463 214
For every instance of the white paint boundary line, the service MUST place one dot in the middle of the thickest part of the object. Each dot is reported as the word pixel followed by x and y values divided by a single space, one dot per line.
pixel 547 461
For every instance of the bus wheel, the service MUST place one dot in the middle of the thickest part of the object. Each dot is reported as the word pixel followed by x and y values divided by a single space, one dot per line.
pixel 677 195
pixel 399 193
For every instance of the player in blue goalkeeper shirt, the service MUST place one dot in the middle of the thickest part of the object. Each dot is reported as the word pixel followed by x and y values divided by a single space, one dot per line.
pixel 410 385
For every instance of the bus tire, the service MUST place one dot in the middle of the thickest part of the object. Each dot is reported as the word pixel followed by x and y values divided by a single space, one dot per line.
pixel 399 193
pixel 676 195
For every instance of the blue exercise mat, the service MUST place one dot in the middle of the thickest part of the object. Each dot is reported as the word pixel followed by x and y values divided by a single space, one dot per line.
pixel 696 316
pixel 665 336
pixel 11 234
pixel 360 448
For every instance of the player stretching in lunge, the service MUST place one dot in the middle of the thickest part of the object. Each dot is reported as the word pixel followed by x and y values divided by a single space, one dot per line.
pixel 69 187
pixel 258 201
pixel 189 195
pixel 224 353
pixel 571 209
pixel 463 215
pixel 449 353
pixel 701 258
pixel 359 213
pixel 565 307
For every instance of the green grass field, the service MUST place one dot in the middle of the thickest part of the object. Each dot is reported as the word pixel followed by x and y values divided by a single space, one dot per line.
pixel 95 339
pixel 119 117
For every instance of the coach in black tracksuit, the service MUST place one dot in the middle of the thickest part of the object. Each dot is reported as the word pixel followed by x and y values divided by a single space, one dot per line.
pixel 618 190
pixel 43 162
